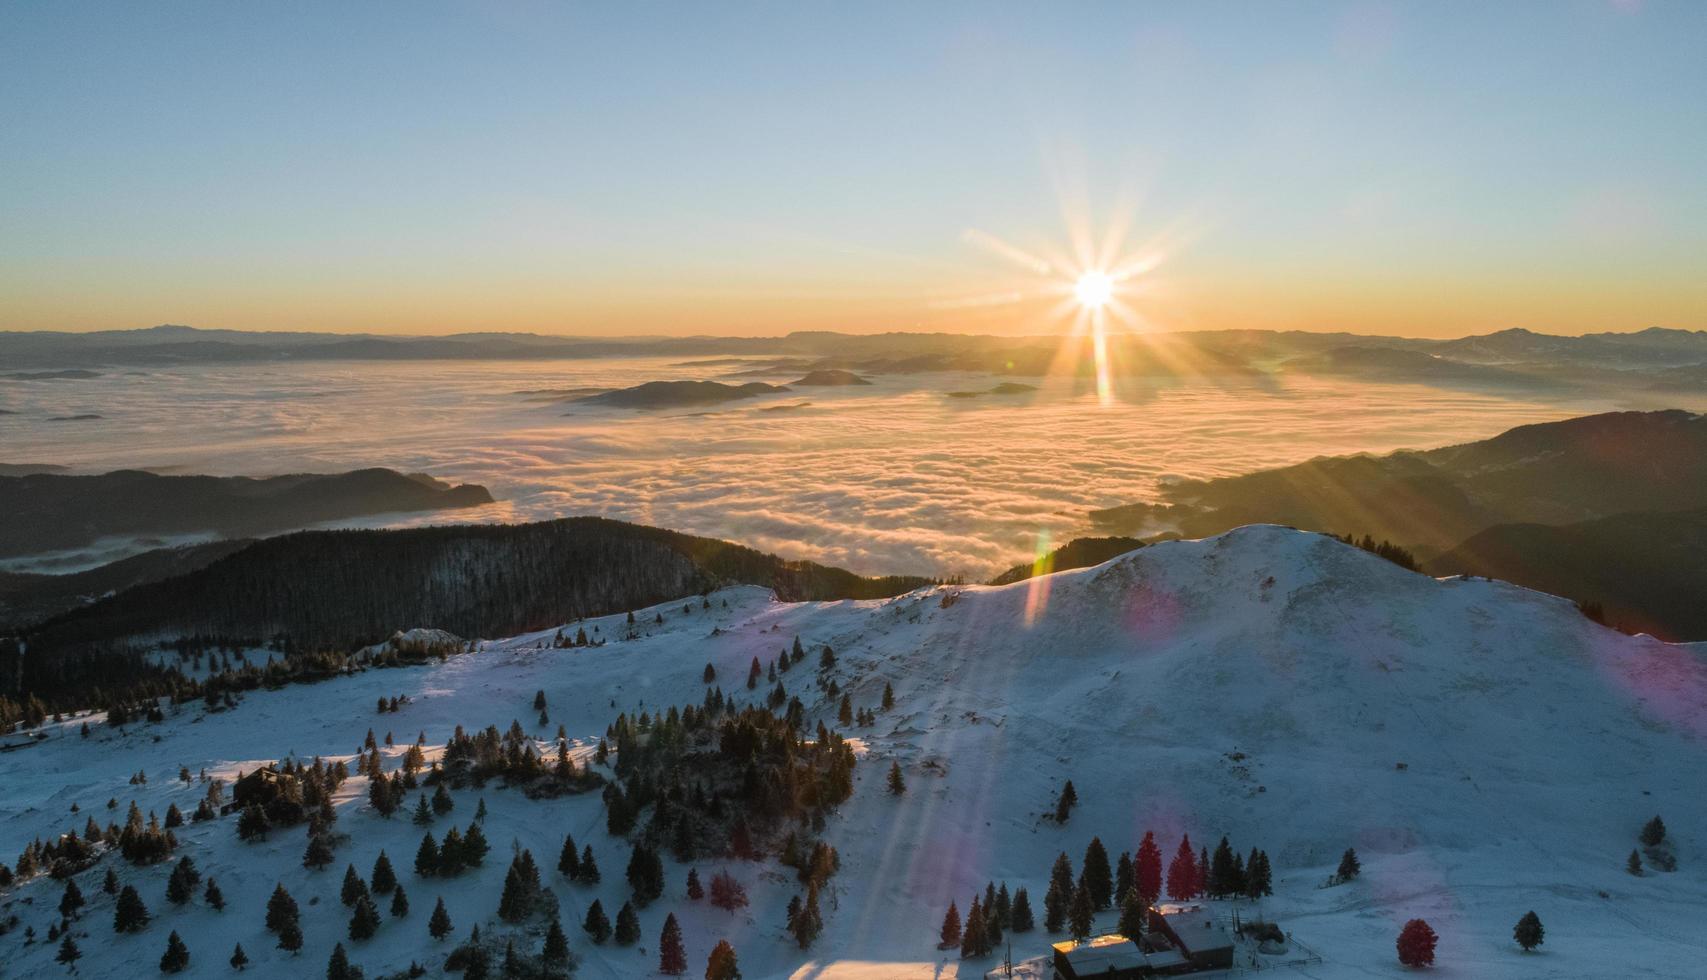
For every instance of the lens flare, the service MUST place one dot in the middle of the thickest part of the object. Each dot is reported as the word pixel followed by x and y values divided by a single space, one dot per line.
pixel 1094 289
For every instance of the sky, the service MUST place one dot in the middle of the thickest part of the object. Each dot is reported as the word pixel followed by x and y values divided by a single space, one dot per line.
pixel 1427 169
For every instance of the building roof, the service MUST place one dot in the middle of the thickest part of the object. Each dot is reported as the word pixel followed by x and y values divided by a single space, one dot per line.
pixel 1198 928
pixel 1114 952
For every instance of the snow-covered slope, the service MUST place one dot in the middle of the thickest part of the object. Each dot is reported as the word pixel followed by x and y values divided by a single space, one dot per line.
pixel 1486 749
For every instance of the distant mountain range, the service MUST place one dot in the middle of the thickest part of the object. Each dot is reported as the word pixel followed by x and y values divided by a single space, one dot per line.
pixel 52 511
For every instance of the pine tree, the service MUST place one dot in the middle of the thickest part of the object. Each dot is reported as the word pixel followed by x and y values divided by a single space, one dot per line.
pixel 950 933
pixel 806 924
pixel 1147 870
pixel 1132 912
pixel 129 915
pixel 1220 876
pixel 568 860
pixel 1081 913
pixel 1259 877
pixel 1096 874
pixel 442 802
pixel 177 955
pixel 695 890
pixel 214 898
pixel 1202 875
pixel 627 925
pixel 1065 802
pixel 68 951
pixel 1349 866
pixel 897 785
pixel 1654 832
pixel 110 884
pixel 281 908
pixel 338 965
pixel 589 867
pixel 556 950
pixel 290 937
pixel 722 964
pixel 72 900
pixel 672 958
pixel 423 813
pixel 1416 944
pixel 354 887
pixel 516 904
pixel 474 845
pixel 384 879
pixel 438 924
pixel 597 925
pixel 973 942
pixel 1182 872
pixel 1634 865
pixel 1528 931
pixel 1123 878
pixel 399 903
pixel 993 923
pixel 239 959
pixel 1020 918
pixel 888 696
pixel 319 852
pixel 364 921
pixel 181 887
pixel 427 857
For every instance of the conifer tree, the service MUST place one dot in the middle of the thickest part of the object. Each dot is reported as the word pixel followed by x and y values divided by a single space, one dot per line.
pixel 888 696
pixel 399 903
pixel 1096 874
pixel 992 923
pixel 627 925
pixel 1021 916
pixel 589 867
pixel 516 904
pixel 384 879
pixel 597 924
pixel 897 785
pixel 1416 944
pixel 1349 867
pixel 319 852
pixel 1004 906
pixel 844 715
pixel 1634 865
pixel 722 964
pixel 1654 832
pixel 176 957
pixel 806 924
pixel 442 801
pixel 1220 877
pixel 338 965
pixel 972 939
pixel 474 845
pixel 672 958
pixel 1081 913
pixel 181 886
pixel 290 937
pixel 214 898
pixel 1202 875
pixel 129 915
pixel 1259 877
pixel 569 860
pixel 950 933
pixel 1182 872
pixel 1132 913
pixel 1123 878
pixel 1147 870
pixel 239 959
pixel 1065 802
pixel 71 901
pixel 354 887
pixel 556 952
pixel 423 813
pixel 364 921
pixel 281 908
pixel 68 954
pixel 110 883
pixel 1528 931
pixel 438 924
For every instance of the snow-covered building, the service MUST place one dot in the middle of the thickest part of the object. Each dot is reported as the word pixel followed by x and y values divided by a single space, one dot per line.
pixel 1116 957
pixel 1196 933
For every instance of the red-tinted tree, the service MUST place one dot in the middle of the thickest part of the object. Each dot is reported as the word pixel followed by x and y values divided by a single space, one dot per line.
pixel 1416 944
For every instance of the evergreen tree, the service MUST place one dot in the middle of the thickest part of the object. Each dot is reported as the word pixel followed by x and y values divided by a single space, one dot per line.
pixel 290 937
pixel 897 785
pixel 354 887
pixel 1020 920
pixel 423 812
pixel 176 957
pixel 992 922
pixel 1416 944
pixel 438 924
pixel 1081 913
pixel 888 696
pixel 806 924
pixel 973 942
pixel 1528 931
pixel 1202 875
pixel 399 903
pixel 589 867
pixel 695 891
pixel 384 879
pixel 1147 870
pixel 427 857
pixel 181 886
pixel 239 959
pixel 950 933
pixel 627 925
pixel 72 900
pixel 1123 878
pixel 1654 832
pixel 338 965
pixel 69 954
pixel 1004 906
pixel 474 845
pixel 1065 802
pixel 281 908
pixel 1634 865
pixel 1259 877
pixel 722 964
pixel 442 802
pixel 319 852
pixel 844 716
pixel 556 950
pixel 364 921
pixel 1182 872
pixel 214 898
pixel 1132 912
pixel 672 958
pixel 1349 866
pixel 110 883
pixel 1220 877
pixel 596 924
pixel 569 860
pixel 1096 874
pixel 516 903
pixel 129 915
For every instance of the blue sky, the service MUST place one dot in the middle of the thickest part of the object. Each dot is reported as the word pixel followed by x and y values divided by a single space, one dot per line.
pixel 678 168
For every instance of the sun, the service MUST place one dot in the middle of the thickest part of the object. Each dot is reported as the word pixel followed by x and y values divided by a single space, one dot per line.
pixel 1094 289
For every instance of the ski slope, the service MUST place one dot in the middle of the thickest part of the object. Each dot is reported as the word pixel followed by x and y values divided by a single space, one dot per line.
pixel 1485 748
